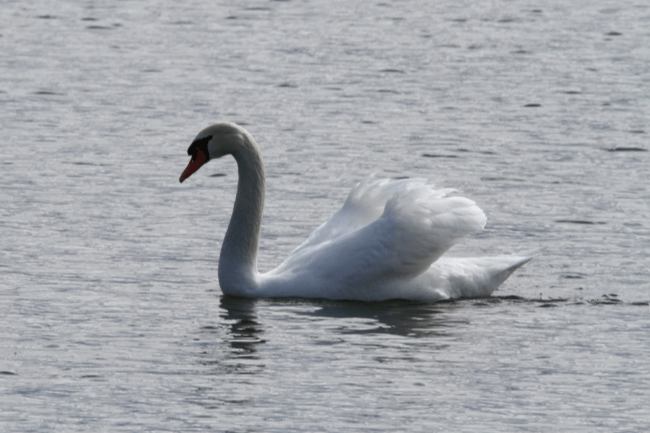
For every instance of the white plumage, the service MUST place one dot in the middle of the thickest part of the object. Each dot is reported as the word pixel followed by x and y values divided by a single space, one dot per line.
pixel 386 242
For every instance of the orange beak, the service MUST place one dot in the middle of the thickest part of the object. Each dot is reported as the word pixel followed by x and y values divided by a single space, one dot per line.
pixel 195 164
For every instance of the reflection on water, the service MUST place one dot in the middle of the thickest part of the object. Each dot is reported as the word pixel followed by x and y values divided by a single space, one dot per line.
pixel 398 317
pixel 232 346
pixel 245 329
pixel 403 318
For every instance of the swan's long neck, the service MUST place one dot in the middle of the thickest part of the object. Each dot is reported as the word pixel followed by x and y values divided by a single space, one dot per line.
pixel 238 261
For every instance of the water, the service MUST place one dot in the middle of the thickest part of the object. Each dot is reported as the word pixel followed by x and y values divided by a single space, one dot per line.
pixel 112 319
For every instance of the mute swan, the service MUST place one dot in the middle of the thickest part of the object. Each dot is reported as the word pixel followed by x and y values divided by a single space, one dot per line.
pixel 386 242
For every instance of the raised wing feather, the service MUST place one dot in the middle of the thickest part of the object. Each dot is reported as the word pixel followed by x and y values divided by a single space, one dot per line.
pixel 364 204
pixel 355 249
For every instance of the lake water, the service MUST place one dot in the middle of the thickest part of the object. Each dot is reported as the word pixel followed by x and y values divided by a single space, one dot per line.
pixel 111 317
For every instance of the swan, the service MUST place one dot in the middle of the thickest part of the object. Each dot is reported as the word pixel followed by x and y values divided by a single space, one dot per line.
pixel 386 242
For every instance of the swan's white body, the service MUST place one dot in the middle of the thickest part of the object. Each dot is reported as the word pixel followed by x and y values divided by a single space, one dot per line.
pixel 386 242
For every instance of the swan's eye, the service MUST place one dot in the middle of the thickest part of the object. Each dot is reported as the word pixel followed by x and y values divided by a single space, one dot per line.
pixel 199 144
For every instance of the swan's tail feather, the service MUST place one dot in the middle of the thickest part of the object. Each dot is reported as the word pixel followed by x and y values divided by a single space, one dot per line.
pixel 518 261
pixel 472 277
pixel 515 262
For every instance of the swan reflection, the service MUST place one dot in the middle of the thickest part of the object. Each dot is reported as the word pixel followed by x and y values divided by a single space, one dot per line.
pixel 232 346
pixel 401 318
pixel 245 329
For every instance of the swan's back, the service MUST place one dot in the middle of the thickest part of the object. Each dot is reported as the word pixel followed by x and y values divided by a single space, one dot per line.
pixel 387 234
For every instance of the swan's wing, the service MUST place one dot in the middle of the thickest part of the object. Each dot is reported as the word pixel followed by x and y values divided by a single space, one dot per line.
pixel 364 204
pixel 427 222
pixel 417 226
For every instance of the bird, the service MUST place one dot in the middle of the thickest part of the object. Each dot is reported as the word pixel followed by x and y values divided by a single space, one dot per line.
pixel 388 240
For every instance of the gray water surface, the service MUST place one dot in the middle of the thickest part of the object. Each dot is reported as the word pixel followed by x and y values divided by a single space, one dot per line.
pixel 111 317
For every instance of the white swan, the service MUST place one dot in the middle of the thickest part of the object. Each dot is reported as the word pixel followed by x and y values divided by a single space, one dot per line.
pixel 385 242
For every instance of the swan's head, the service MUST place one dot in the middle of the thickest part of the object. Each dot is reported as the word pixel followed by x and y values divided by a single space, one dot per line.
pixel 215 141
